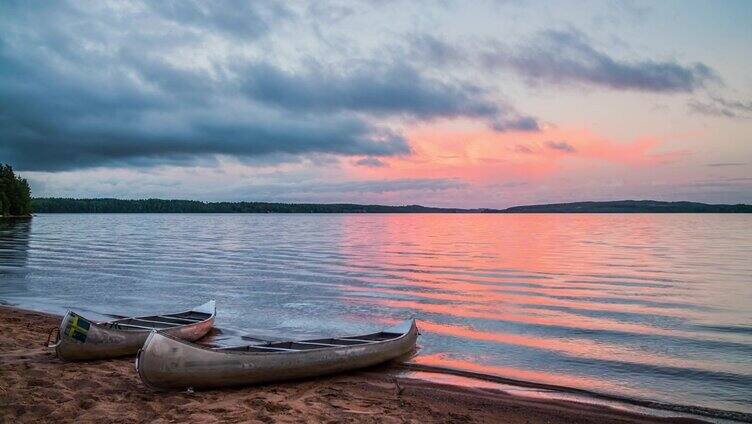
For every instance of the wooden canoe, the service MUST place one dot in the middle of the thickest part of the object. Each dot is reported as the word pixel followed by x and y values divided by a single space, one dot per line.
pixel 168 363
pixel 80 339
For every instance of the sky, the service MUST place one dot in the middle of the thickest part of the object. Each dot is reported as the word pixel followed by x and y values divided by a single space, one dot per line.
pixel 443 103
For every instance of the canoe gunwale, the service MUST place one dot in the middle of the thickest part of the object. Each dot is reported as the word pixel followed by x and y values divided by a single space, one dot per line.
pixel 287 351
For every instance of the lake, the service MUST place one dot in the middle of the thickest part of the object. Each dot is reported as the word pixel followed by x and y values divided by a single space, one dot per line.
pixel 648 306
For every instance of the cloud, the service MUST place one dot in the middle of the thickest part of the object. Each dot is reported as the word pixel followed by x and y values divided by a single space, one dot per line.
pixel 719 106
pixel 558 146
pixel 236 18
pixel 561 146
pixel 371 162
pixel 734 104
pixel 563 57
pixel 518 123
pixel 163 83
pixel 343 190
pixel 521 148
pixel 298 182
pixel 567 57
pixel 725 164
pixel 395 185
pixel 374 88
pixel 710 109
pixel 436 51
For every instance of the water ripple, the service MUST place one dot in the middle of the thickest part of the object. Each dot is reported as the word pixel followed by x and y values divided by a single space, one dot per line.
pixel 645 306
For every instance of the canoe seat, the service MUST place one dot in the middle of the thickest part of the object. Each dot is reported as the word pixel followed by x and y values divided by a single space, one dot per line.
pixel 127 326
pixel 340 342
pixel 163 324
pixel 317 344
pixel 375 337
pixel 192 315
pixel 146 323
pixel 278 349
pixel 177 319
pixel 167 318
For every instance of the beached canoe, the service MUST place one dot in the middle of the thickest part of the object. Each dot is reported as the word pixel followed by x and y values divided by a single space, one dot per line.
pixel 168 363
pixel 81 339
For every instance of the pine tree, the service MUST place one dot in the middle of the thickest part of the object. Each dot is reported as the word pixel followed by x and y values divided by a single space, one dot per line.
pixel 6 181
pixel 24 196
pixel 15 193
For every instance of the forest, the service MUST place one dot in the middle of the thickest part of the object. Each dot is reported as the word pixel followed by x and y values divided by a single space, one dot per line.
pixel 105 205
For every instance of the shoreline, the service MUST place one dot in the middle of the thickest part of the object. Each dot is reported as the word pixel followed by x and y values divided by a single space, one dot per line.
pixel 36 385
pixel 111 205
pixel 563 391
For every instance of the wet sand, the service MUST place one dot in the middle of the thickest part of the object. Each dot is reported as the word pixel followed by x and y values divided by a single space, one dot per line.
pixel 36 386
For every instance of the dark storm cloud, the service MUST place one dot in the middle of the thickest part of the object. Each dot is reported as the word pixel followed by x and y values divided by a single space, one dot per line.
pixel 113 143
pixel 59 112
pixel 567 57
pixel 561 146
pixel 84 86
pixel 375 89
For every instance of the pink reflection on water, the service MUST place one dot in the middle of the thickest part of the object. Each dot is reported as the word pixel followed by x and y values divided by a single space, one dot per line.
pixel 578 347
pixel 560 379
pixel 568 284
pixel 514 314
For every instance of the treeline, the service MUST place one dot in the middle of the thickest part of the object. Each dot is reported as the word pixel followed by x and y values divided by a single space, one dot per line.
pixel 64 205
pixel 15 194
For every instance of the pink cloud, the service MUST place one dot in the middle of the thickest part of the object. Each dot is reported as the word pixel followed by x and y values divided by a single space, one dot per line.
pixel 482 156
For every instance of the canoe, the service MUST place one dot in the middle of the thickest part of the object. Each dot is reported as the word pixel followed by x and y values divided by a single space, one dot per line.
pixel 168 363
pixel 81 339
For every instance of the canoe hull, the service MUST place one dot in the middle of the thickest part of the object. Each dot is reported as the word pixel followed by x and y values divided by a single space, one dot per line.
pixel 166 363
pixel 83 340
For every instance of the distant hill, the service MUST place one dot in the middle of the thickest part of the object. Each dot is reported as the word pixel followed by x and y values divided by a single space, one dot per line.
pixel 631 206
pixel 65 205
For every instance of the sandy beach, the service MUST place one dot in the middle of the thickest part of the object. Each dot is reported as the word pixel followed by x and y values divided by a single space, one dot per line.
pixel 35 386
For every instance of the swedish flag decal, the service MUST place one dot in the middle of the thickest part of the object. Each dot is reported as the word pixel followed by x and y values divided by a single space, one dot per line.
pixel 78 328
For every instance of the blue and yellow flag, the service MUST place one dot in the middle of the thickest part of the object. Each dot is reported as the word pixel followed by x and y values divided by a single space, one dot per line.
pixel 78 328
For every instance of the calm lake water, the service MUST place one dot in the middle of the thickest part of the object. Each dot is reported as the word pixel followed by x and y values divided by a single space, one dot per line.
pixel 646 306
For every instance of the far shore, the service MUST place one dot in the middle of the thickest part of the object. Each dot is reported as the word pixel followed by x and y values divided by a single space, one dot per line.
pixel 105 205
pixel 36 386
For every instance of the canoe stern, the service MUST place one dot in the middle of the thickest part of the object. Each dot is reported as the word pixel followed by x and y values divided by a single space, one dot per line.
pixel 402 328
pixel 82 339
pixel 209 307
